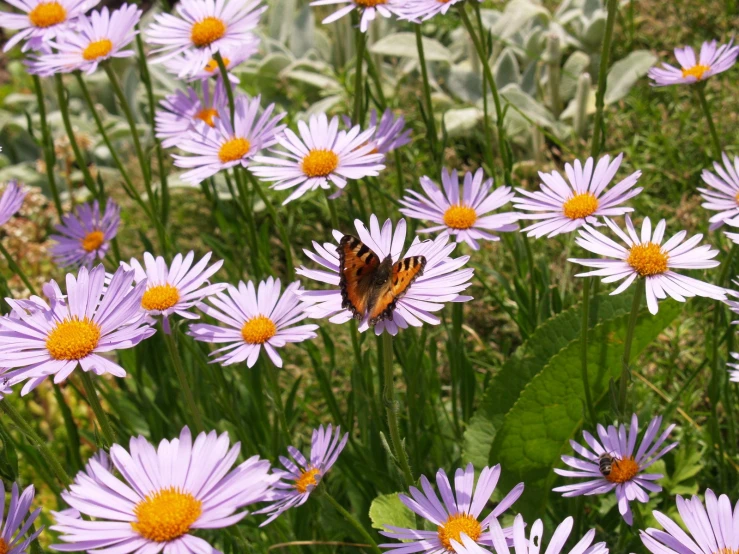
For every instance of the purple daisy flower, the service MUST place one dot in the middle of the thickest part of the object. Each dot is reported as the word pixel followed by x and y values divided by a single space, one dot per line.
pixel 42 20
pixel 85 235
pixel 535 541
pixel 181 111
pixel 711 61
pixel 99 37
pixel 626 475
pixel 711 529
pixel 164 493
pixel 462 216
pixel 184 67
pixel 321 155
pixel 459 514
pixel 442 280
pixel 390 133
pixel 369 9
pixel 11 201
pixel 224 146
pixel 564 206
pixel 723 196
pixel 177 288
pixel 20 505
pixel 75 331
pixel 645 256
pixel 421 10
pixel 255 319
pixel 300 477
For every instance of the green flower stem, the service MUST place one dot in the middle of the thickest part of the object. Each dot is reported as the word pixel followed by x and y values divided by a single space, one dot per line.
pixel 391 408
pixel 226 83
pixel 584 349
pixel 47 146
pixel 532 281
pixel 605 52
pixel 375 76
pixel 94 401
pixel 430 122
pixel 332 211
pixel 361 44
pixel 79 158
pixel 248 212
pixel 353 522
pixel 280 418
pixel 15 268
pixel 715 142
pixel 284 236
pixel 33 437
pixel 488 153
pixel 625 369
pixel 174 354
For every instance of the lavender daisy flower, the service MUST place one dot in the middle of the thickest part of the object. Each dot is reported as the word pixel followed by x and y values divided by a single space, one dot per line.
pixel 185 67
pixel 182 110
pixel 442 280
pixel 712 529
pixel 224 146
pixel 300 477
pixel 462 216
pixel 723 196
pixel 734 372
pixel 390 133
pixel 564 206
pixel 177 288
pixel 255 319
pixel 422 10
pixel 93 320
pixel 648 258
pixel 20 505
pixel 99 37
pixel 162 495
pixel 369 9
pixel 535 541
pixel 41 20
pixel 11 201
pixel 202 28
pixel 459 514
pixel 324 155
pixel 711 61
pixel 84 236
pixel 626 475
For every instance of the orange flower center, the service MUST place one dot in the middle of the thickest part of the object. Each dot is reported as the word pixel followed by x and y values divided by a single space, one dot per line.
pixel 369 3
pixel 648 259
pixel 458 216
pixel 623 470
pixel 166 514
pixel 307 478
pixel 4 548
pixel 212 65
pixel 160 297
pixel 696 71
pixel 207 31
pixel 93 240
pixel 319 163
pixel 258 330
pixel 233 150
pixel 454 527
pixel 208 115
pixel 97 49
pixel 580 206
pixel 73 339
pixel 47 14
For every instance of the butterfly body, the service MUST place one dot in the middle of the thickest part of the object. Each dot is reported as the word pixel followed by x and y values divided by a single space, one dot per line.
pixel 371 287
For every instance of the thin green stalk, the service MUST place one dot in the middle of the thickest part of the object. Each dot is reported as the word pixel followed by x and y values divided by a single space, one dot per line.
pixel 102 418
pixel 360 46
pixel 532 282
pixel 79 158
pixel 47 146
pixel 625 365
pixel 715 142
pixel 391 408
pixel 226 84
pixel 14 267
pixel 280 418
pixel 284 237
pixel 353 522
pixel 605 53
pixel 332 211
pixel 375 76
pixel 486 116
pixel 23 426
pixel 431 130
pixel 192 406
pixel 248 211
pixel 584 349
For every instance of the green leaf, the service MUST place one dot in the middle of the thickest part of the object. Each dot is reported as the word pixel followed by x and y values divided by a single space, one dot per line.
pixel 535 432
pixel 387 509
pixel 624 74
pixel 403 45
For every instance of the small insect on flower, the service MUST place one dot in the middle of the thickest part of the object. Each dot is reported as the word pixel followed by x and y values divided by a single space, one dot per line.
pixel 85 235
pixel 711 61
pixel 11 201
pixel 605 463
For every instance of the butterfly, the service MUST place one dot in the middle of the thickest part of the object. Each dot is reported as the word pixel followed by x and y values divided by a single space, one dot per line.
pixel 371 287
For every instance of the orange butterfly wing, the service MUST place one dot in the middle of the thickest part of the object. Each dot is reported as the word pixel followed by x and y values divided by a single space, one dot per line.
pixel 403 274
pixel 357 264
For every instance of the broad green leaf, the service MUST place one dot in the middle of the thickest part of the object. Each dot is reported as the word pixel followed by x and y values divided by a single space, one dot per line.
pixel 535 432
pixel 624 74
pixel 387 509
pixel 403 45
pixel 462 121
pixel 506 70
pixel 576 64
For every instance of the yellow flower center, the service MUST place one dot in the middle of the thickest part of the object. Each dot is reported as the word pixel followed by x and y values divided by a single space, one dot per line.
pixel 307 479
pixel 233 150
pixel 319 163
pixel 258 330
pixel 696 71
pixel 623 470
pixel 726 550
pixel 580 206
pixel 370 3
pixel 460 217
pixel 212 65
pixel 97 49
pixel 207 31
pixel 73 339
pixel 647 259
pixel 4 548
pixel 456 525
pixel 166 515
pixel 208 115
pixel 47 14
pixel 93 240
pixel 160 297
